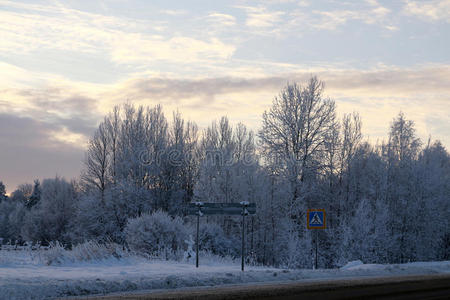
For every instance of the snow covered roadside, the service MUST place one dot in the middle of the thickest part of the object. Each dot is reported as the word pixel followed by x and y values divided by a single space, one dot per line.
pixel 34 281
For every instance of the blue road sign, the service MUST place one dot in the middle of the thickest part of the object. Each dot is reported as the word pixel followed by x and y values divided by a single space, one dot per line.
pixel 316 219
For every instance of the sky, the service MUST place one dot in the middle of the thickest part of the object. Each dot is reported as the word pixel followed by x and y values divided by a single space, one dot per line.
pixel 65 64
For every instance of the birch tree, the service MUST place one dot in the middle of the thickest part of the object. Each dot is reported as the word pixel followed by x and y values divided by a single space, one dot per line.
pixel 294 132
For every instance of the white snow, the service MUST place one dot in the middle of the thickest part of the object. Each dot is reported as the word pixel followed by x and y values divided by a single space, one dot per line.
pixel 23 278
pixel 352 265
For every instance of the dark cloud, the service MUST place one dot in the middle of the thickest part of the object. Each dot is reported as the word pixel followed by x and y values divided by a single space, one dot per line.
pixel 422 80
pixel 27 151
pixel 179 89
pixel 75 104
pixel 77 113
pixel 81 125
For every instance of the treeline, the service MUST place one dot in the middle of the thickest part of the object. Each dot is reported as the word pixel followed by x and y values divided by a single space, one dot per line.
pixel 385 203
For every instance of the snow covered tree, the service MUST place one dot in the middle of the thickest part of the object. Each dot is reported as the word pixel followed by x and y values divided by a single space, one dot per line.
pixel 403 142
pixel 270 216
pixel 212 238
pixel 351 137
pixel 35 195
pixel 365 236
pixel 22 193
pixel 15 220
pixel 217 148
pixel 433 180
pixel 93 221
pixel 97 163
pixel 49 219
pixel 228 168
pixel 179 164
pixel 157 234
pixel 12 213
pixel 403 197
pixel 136 163
pixel 228 164
pixel 6 207
pixel 294 132
pixel 3 196
pixel 143 139
pixel 378 198
pixel 112 126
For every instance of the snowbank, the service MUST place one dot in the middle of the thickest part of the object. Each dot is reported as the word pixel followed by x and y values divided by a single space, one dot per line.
pixel 34 281
pixel 352 264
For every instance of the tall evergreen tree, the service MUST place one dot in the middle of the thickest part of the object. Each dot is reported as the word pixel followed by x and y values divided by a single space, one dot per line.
pixel 35 195
pixel 3 196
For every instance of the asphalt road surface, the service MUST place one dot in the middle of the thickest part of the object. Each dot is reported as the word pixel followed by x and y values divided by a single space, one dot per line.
pixel 405 287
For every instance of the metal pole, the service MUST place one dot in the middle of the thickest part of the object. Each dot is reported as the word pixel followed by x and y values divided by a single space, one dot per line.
pixel 196 246
pixel 243 241
pixel 317 245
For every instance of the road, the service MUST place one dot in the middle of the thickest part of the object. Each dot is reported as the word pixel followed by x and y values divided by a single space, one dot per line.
pixel 405 287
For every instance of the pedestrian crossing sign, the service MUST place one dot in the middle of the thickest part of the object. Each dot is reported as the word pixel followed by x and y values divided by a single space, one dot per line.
pixel 316 219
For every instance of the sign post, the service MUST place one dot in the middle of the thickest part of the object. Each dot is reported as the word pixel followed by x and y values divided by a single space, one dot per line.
pixel 199 213
pixel 199 209
pixel 244 213
pixel 316 219
pixel 317 249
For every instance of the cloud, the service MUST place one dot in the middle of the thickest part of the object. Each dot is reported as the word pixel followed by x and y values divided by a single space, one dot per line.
pixel 302 18
pixel 388 80
pixel 222 19
pixel 371 13
pixel 391 27
pixel 158 88
pixel 332 19
pixel 261 17
pixel 383 80
pixel 136 48
pixel 172 12
pixel 121 40
pixel 435 10
pixel 29 151
pixel 379 94
pixel 303 3
pixel 55 122
pixel 62 106
pixel 54 27
pixel 76 108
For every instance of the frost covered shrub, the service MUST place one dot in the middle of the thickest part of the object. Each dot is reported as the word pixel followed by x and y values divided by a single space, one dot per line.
pixel 157 234
pixel 96 221
pixel 88 251
pixel 54 255
pixel 213 239
pixel 92 250
pixel 208 258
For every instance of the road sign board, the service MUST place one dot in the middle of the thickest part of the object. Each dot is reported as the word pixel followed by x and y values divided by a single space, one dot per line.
pixel 220 208
pixel 316 219
pixel 199 209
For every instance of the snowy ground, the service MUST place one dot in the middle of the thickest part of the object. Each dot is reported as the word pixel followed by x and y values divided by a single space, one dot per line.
pixel 22 276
